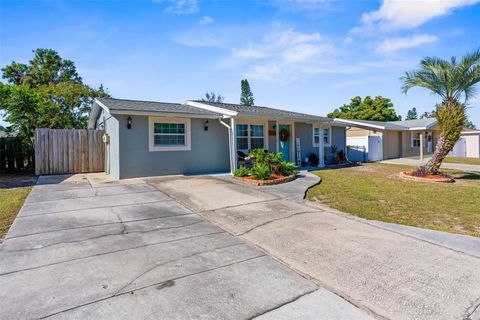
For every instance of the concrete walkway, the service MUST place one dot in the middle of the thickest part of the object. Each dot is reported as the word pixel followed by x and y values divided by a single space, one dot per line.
pixel 417 162
pixel 393 274
pixel 85 247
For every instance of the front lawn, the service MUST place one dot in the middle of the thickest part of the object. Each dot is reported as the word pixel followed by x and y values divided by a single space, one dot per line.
pixel 13 191
pixel 374 191
pixel 462 160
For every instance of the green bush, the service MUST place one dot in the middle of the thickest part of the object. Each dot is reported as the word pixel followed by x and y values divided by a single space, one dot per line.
pixel 266 163
pixel 261 172
pixel 242 172
pixel 287 168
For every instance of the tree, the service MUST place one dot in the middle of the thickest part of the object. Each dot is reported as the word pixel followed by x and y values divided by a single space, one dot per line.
pixel 46 92
pixel 378 109
pixel 212 97
pixel 454 81
pixel 427 114
pixel 470 125
pixel 246 97
pixel 412 114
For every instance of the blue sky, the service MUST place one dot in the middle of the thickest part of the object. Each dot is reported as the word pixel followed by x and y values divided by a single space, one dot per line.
pixel 307 56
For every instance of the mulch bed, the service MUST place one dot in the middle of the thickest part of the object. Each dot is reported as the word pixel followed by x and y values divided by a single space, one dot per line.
pixel 409 175
pixel 274 179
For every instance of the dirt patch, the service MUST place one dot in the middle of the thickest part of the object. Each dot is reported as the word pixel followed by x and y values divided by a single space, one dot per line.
pixel 409 175
pixel 274 180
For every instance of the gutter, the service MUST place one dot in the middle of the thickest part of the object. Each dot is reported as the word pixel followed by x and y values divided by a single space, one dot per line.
pixel 231 148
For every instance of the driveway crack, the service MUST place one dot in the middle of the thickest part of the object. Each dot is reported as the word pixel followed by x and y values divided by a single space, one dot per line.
pixel 274 220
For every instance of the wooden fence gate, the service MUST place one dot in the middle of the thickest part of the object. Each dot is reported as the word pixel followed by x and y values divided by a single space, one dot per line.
pixel 59 151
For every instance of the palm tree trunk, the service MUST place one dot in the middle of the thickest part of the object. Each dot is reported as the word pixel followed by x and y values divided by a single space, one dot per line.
pixel 441 151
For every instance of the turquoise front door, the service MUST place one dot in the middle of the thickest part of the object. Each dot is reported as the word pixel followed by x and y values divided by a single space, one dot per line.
pixel 284 146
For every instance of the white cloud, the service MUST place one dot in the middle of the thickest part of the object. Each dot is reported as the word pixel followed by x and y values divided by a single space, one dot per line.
pixel 283 55
pixel 206 20
pixel 408 14
pixel 395 44
pixel 180 6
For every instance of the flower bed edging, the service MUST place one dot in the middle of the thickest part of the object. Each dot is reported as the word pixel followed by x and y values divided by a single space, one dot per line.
pixel 439 178
pixel 266 182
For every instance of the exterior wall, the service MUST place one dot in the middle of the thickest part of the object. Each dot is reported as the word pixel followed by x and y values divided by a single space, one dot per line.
pixel 409 151
pixel 359 132
pixel 339 140
pixel 392 144
pixel 209 150
pixel 472 144
pixel 304 131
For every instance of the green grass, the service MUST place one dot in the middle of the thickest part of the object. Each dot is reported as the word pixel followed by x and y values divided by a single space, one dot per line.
pixel 375 192
pixel 13 191
pixel 462 160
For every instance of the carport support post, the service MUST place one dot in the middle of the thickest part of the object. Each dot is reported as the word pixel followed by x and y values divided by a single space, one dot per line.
pixel 421 146
pixel 321 148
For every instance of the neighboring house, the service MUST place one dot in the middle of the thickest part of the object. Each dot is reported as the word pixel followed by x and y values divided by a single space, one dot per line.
pixel 156 138
pixel 468 145
pixel 392 139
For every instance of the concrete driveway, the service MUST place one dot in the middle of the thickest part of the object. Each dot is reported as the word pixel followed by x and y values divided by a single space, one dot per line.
pixel 395 273
pixel 84 247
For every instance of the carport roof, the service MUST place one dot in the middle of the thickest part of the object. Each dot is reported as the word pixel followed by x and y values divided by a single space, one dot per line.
pixel 405 125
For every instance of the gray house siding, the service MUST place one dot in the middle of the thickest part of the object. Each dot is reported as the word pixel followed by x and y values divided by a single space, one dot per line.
pixel 209 150
pixel 339 140
pixel 305 133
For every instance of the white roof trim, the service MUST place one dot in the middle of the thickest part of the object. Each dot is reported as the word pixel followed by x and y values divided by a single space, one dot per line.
pixel 359 123
pixel 165 114
pixel 212 108
pixel 104 107
pixel 470 132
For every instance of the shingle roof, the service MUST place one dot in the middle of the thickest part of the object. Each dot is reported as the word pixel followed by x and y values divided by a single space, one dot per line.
pixel 152 106
pixel 263 111
pixel 392 125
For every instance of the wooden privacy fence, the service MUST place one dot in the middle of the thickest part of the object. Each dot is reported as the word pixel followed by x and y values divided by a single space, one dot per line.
pixel 60 151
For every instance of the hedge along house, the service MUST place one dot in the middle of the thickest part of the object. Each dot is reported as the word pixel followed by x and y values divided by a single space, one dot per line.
pixel 145 138
pixel 392 139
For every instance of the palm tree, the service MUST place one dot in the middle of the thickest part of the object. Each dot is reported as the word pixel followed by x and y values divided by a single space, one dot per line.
pixel 454 81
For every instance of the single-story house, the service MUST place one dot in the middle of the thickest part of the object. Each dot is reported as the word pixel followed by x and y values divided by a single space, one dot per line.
pixel 381 140
pixel 468 145
pixel 145 138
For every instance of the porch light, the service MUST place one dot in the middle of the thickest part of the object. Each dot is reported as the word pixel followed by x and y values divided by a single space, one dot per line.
pixel 207 123
pixel 129 123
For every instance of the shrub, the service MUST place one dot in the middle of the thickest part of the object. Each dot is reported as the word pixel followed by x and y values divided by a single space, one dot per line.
pixel 287 168
pixel 242 172
pixel 261 172
pixel 313 159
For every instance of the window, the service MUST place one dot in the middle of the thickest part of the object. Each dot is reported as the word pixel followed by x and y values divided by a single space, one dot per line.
pixel 326 136
pixel 169 134
pixel 316 136
pixel 250 136
pixel 415 138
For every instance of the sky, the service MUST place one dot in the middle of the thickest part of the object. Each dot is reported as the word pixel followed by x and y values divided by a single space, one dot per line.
pixel 300 55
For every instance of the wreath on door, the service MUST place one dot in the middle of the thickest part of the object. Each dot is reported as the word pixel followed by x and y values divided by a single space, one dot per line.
pixel 284 135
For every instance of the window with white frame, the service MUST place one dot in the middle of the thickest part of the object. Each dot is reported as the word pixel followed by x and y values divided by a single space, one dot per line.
pixel 169 134
pixel 325 134
pixel 250 136
pixel 415 140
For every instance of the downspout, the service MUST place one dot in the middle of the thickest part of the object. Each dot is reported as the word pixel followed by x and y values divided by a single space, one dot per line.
pixel 230 147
